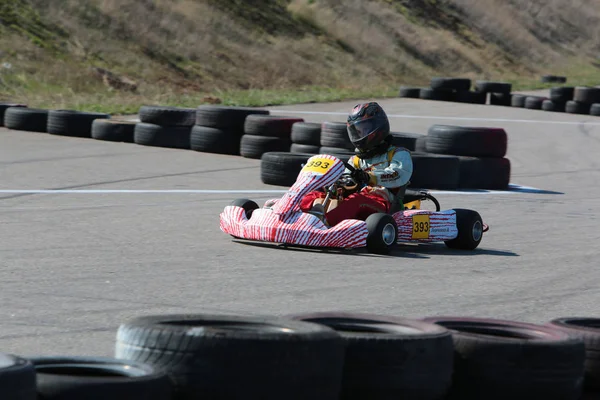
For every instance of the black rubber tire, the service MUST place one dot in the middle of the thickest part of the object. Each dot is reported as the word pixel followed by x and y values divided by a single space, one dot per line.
pixel 96 378
pixel 501 99
pixel 238 357
pixel 281 168
pixel 457 84
pixel 421 144
pixel 409 92
pixel 437 94
pixel 467 141
pixel 553 79
pixel 470 230
pixel 471 97
pixel 335 134
pixel 304 148
pixel 518 100
pixel 72 123
pixel 248 205
pixel 553 106
pixel 113 130
pixel 534 102
pixel 225 117
pixel 406 140
pixel 492 173
pixel 17 378
pixel 168 116
pixel 4 106
pixel 376 223
pixel 595 110
pixel 587 95
pixel 390 357
pixel 175 137
pixel 493 87
pixel 308 133
pixel 252 146
pixel 335 150
pixel 214 140
pixel 498 359
pixel 26 119
pixel 270 125
pixel 588 330
pixel 575 107
pixel 562 94
pixel 435 171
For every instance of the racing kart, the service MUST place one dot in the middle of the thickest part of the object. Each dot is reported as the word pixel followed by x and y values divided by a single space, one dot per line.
pixel 281 221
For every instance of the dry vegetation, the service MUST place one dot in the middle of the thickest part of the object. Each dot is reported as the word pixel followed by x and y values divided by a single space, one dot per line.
pixel 266 51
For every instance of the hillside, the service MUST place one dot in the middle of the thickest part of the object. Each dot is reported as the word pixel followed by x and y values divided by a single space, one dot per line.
pixel 117 54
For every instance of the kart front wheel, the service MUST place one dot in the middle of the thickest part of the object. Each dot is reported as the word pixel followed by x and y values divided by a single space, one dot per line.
pixel 247 205
pixel 470 230
pixel 382 233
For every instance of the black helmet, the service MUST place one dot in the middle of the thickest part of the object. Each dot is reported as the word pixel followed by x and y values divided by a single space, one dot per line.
pixel 368 127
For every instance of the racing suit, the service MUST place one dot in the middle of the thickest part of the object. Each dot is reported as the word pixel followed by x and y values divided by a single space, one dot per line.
pixel 389 172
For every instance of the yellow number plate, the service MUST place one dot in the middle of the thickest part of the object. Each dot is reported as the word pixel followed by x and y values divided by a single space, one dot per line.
pixel 319 165
pixel 421 226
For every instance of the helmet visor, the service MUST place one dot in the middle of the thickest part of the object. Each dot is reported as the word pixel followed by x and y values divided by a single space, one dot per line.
pixel 361 129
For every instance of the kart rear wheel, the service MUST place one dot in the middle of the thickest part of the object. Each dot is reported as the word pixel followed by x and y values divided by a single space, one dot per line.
pixel 247 205
pixel 470 230
pixel 383 233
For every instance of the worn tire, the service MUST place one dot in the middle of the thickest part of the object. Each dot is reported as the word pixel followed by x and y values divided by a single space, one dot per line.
pixel 281 168
pixel 553 79
pixel 501 99
pixel 435 171
pixel 457 84
pixel 225 117
pixel 421 144
pixel 534 102
pixel 491 173
pixel 17 378
pixel 97 378
pixel 113 130
pixel 26 119
pixel 518 100
pixel 588 330
pixel 575 107
pixel 493 87
pixel 437 94
pixel 168 116
pixel 252 146
pixel 72 123
pixel 335 134
pixel 409 92
pixel 4 106
pixel 595 110
pixel 498 359
pixel 406 140
pixel 308 133
pixel 235 357
pixel 467 141
pixel 562 94
pixel 586 95
pixel 175 137
pixel 215 140
pixel 471 97
pixel 390 357
pixel 270 125
pixel 554 106
pixel 304 148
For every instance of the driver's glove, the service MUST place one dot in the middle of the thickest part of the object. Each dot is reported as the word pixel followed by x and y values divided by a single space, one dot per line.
pixel 361 177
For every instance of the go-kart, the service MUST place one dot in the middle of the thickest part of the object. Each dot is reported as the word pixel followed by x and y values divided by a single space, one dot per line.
pixel 281 221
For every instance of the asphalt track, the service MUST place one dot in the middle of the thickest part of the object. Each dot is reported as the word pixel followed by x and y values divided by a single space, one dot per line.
pixel 76 265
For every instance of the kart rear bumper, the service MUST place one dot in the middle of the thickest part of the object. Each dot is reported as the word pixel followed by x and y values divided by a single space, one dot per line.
pixel 296 228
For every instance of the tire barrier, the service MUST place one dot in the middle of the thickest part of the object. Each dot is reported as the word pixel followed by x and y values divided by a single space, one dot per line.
pixel 264 133
pixel 322 355
pixel 113 130
pixel 569 99
pixel 72 123
pixel 4 106
pixel 164 127
pixel 26 119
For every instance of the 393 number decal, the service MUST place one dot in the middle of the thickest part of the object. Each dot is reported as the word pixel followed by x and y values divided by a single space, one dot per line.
pixel 421 226
pixel 319 165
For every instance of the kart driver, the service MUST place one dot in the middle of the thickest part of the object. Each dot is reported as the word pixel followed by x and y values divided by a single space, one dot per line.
pixel 383 169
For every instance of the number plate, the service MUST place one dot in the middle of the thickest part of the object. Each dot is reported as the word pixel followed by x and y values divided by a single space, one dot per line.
pixel 318 165
pixel 421 226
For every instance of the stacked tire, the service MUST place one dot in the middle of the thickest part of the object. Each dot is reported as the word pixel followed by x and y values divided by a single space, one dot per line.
pixel 73 123
pixel 165 127
pixel 219 129
pixel 463 157
pixel 584 99
pixel 266 133
pixel 21 118
pixel 334 138
pixel 306 137
pixel 559 97
pixel 499 92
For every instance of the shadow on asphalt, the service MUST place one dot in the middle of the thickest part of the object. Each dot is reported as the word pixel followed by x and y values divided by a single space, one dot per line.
pixel 420 250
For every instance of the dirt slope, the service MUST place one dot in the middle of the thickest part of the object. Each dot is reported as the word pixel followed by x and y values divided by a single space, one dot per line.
pixel 153 48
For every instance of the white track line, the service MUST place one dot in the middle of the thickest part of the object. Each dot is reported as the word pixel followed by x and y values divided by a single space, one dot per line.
pixel 515 189
pixel 529 121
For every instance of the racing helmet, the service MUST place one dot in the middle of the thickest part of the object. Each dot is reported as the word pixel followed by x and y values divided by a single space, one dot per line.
pixel 368 127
